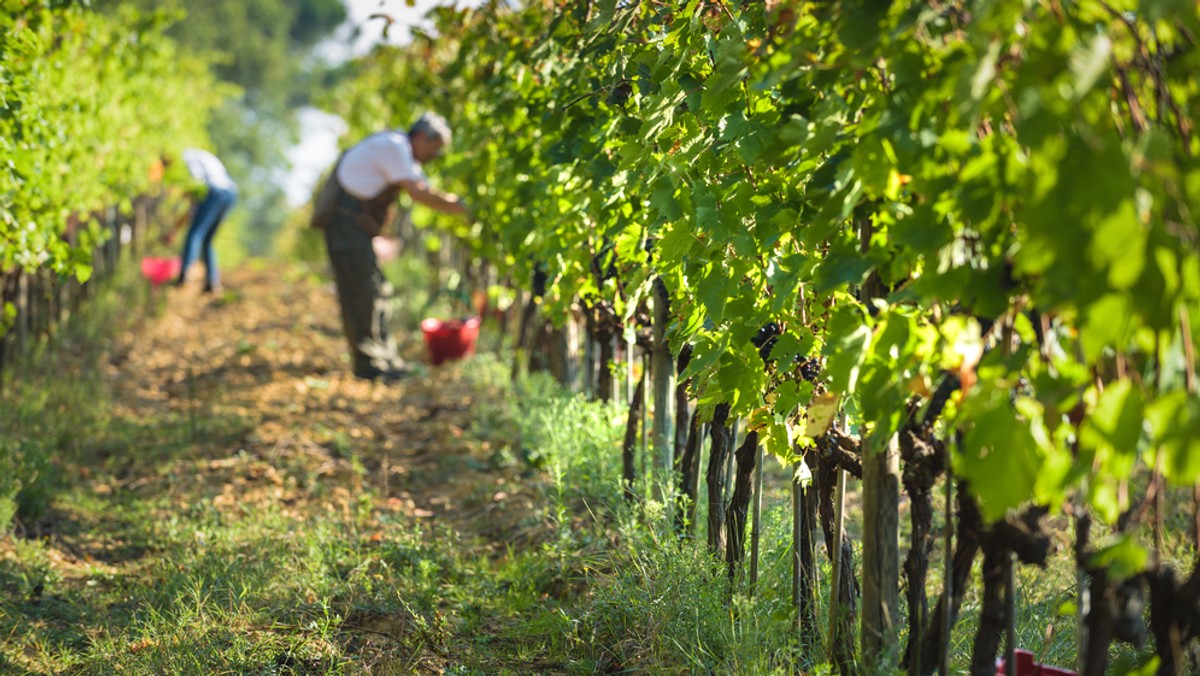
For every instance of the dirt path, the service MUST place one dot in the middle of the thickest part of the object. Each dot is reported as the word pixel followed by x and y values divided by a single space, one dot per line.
pixel 234 408
pixel 264 358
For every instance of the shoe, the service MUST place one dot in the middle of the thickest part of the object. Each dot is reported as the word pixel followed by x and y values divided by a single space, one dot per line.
pixel 390 375
pixel 214 288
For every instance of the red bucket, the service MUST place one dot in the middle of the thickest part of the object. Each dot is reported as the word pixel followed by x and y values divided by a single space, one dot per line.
pixel 160 270
pixel 448 340
pixel 1027 667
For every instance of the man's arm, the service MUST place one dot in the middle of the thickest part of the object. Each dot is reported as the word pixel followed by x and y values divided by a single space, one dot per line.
pixel 422 193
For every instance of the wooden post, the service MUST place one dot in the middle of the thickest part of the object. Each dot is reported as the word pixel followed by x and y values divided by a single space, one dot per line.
pixel 881 553
pixel 810 571
pixel 662 369
pixel 141 221
pixel 1189 373
pixel 835 579
pixel 756 520
pixel 114 238
pixel 9 294
pixel 62 301
pixel 565 365
pixel 588 366
pixel 37 305
pixel 22 320
pixel 607 358
pixel 797 547
pixel 735 436
pixel 523 328
pixel 881 523
pixel 948 576
pixel 1010 649
pixel 1082 579
pixel 629 362
pixel 646 375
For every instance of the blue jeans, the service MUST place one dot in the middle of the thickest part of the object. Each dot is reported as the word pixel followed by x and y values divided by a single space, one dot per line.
pixel 208 217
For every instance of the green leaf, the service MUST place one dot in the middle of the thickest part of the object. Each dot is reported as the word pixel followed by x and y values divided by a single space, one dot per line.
pixel 790 395
pixel 999 456
pixel 1175 424
pixel 1120 245
pixel 1123 559
pixel 846 347
pixel 985 71
pixel 706 352
pixel 750 138
pixel 709 220
pixel 775 435
pixel 714 291
pixel 843 265
pixel 1106 325
pixel 677 241
pixel 1115 427
pixel 788 346
pixel 662 200
pixel 1089 63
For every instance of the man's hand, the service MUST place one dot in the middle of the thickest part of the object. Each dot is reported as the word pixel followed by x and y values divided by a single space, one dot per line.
pixel 422 193
pixel 386 248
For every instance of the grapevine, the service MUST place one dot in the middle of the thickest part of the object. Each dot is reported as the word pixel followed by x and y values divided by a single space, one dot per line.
pixel 971 225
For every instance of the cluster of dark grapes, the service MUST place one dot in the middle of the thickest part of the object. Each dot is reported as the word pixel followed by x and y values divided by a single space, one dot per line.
pixel 540 279
pixel 765 339
pixel 810 369
pixel 620 93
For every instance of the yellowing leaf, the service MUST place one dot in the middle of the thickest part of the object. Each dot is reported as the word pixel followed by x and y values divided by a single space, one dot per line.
pixel 820 414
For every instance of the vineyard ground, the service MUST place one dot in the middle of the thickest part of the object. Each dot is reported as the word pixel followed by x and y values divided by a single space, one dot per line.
pixel 231 499
pixel 224 498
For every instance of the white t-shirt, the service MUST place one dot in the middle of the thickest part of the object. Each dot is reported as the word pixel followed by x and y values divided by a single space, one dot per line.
pixel 204 166
pixel 378 161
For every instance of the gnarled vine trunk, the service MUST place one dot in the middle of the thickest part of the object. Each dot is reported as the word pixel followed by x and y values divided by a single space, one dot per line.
pixel 630 444
pixel 739 505
pixel 847 592
pixel 722 443
pixel 688 466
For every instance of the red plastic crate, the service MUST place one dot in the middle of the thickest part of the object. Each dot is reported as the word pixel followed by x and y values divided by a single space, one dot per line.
pixel 448 340
pixel 159 271
pixel 1027 667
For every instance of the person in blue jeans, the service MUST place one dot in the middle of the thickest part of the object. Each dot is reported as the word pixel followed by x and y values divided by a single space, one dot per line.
pixel 210 210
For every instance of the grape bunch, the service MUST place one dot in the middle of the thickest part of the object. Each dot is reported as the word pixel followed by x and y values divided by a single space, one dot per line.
pixel 765 339
pixel 810 369
pixel 540 279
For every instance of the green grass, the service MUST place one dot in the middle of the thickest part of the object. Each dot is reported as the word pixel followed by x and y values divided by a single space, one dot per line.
pixel 204 592
pixel 126 562
pixel 658 602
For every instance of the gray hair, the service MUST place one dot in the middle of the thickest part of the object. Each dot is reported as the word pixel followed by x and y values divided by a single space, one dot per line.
pixel 431 125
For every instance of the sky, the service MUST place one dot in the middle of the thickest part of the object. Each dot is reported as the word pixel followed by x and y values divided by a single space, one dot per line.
pixel 319 130
pixel 359 34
